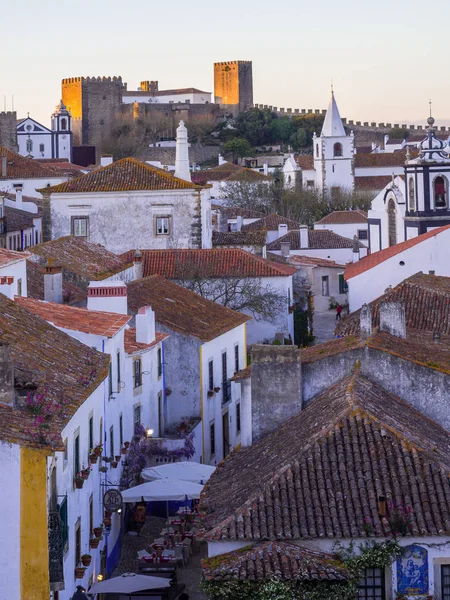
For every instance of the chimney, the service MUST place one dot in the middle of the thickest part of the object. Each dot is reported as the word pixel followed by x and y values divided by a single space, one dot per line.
pixel 266 169
pixel 282 230
pixel 285 249
pixel 18 188
pixel 108 296
pixel 239 223
pixel 392 318
pixel 4 165
pixel 355 248
pixel 106 159
pixel 304 242
pixel 264 251
pixel 365 322
pixel 182 154
pixel 6 376
pixel 138 264
pixel 53 282
pixel 221 160
pixel 276 389
pixel 145 325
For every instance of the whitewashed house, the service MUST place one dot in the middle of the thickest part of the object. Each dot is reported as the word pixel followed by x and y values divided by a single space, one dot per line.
pixel 206 346
pixel 347 223
pixel 132 204
pixel 13 273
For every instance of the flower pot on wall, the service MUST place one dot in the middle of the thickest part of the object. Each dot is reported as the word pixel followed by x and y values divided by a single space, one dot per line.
pixel 79 572
pixel 94 542
pixel 93 458
pixel 86 560
pixel 127 445
pixel 123 450
pixel 114 464
pixel 79 482
pixel 117 458
pixel 98 531
pixel 103 469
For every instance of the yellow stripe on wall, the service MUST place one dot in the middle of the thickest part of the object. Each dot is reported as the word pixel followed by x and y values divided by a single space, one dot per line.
pixel 34 573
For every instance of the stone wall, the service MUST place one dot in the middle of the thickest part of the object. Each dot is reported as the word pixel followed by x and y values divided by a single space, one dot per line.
pixel 197 154
pixel 233 85
pixel 8 130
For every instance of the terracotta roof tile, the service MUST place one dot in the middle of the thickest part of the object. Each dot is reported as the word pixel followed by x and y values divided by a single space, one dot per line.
pixel 370 184
pixel 239 238
pixel 344 217
pixel 215 262
pixel 182 310
pixel 279 560
pixel 123 175
pixel 321 473
pixel 132 346
pixel 56 364
pixel 383 159
pixel 90 261
pixel 19 167
pixel 372 260
pixel 35 286
pixel 242 374
pixel 427 305
pixel 17 220
pixel 232 212
pixel 228 172
pixel 305 162
pixel 317 239
pixel 106 324
pixel 313 261
pixel 9 257
pixel 271 223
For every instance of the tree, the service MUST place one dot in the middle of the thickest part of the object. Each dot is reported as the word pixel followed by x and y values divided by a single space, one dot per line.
pixel 238 147
pixel 242 194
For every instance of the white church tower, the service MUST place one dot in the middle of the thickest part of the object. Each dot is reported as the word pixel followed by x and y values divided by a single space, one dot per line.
pixel 62 133
pixel 333 155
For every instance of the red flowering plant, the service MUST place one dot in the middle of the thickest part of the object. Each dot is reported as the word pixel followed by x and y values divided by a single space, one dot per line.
pixel 400 518
pixel 43 409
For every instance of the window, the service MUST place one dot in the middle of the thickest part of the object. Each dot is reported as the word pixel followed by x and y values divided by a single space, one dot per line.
pixel 325 285
pixel 392 226
pixel 37 237
pixel 62 508
pixel 317 150
pixel 76 454
pixel 41 147
pixel 110 384
pixel 337 150
pixel 137 373
pixel 310 184
pixel 343 287
pixel 159 356
pixel 236 358
pixel 362 234
pixel 238 418
pixel 162 225
pixel 63 124
pixel 19 287
pixel 91 433
pixel 77 542
pixel 445 580
pixel 29 145
pixel 440 193
pixel 226 384
pixel 137 416
pixel 371 584
pixel 211 374
pixel 80 226
pixel 111 442
pixel 66 452
pixel 212 438
pixel 118 370
pixel 121 431
pixel 91 513
pixel 411 194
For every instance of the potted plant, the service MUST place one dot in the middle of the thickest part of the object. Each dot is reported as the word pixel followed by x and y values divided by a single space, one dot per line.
pixel 103 469
pixel 217 389
pixel 106 459
pixel 127 445
pixel 79 572
pixel 94 542
pixel 168 391
pixel 107 521
pixel 93 458
pixel 78 481
pixel 117 458
pixel 86 559
pixel 98 449
pixel 210 393
pixel 114 464
pixel 85 473
pixel 123 450
pixel 98 531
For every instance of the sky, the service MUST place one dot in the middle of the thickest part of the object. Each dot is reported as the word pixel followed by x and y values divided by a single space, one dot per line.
pixel 386 59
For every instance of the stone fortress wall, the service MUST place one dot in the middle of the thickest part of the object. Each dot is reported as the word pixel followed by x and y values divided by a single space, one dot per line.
pixel 8 130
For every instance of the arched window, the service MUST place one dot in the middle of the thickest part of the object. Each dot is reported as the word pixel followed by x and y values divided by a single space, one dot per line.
pixel 411 194
pixel 63 124
pixel 289 180
pixel 392 226
pixel 337 149
pixel 29 145
pixel 440 192
pixel 317 150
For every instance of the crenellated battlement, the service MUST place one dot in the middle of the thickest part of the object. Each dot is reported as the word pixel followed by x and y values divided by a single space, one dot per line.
pixel 234 62
pixel 93 79
pixel 8 113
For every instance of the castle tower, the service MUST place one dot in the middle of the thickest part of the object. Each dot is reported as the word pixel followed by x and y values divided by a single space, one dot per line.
pixel 62 132
pixel 333 155
pixel 94 103
pixel 182 154
pixel 8 130
pixel 233 85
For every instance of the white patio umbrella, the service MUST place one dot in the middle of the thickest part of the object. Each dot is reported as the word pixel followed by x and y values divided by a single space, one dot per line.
pixel 185 470
pixel 129 583
pixel 163 489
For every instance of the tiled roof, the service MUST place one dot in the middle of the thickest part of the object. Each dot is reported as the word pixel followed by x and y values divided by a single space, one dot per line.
pixel 271 223
pixel 313 261
pixel 182 310
pixel 383 159
pixel 371 184
pixel 123 175
pixel 59 366
pixel 228 172
pixel 19 167
pixel 427 305
pixel 275 560
pixel 344 217
pixel 372 260
pixel 90 261
pixel 106 324
pixel 318 239
pixel 242 374
pixel 35 286
pixel 64 166
pixel 9 257
pixel 232 212
pixel 305 162
pixel 215 262
pixel 17 219
pixel 132 346
pixel 321 473
pixel 239 238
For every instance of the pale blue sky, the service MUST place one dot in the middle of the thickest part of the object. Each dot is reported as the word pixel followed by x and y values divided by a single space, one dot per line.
pixel 386 58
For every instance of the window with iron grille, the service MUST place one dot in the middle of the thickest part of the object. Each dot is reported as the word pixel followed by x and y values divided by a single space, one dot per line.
pixel 159 362
pixel 137 416
pixel 77 542
pixel 111 442
pixel 137 373
pixel 238 418
pixel 212 438
pixel 63 515
pixel 445 582
pixel 371 584
pixel 236 358
pixel 226 385
pixel 91 434
pixel 76 454
pixel 211 374
pixel 118 370
pixel 121 430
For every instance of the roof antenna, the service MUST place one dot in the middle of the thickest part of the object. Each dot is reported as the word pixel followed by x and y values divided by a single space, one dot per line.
pixel 12 102
pixel 332 90
pixel 430 107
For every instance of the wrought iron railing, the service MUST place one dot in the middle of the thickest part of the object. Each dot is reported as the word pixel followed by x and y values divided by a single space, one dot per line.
pixel 55 551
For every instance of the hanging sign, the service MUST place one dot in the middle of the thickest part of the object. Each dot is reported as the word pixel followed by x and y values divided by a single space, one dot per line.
pixel 112 500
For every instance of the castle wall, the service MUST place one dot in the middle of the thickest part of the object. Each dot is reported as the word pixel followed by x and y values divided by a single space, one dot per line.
pixel 233 85
pixel 71 94
pixel 8 130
